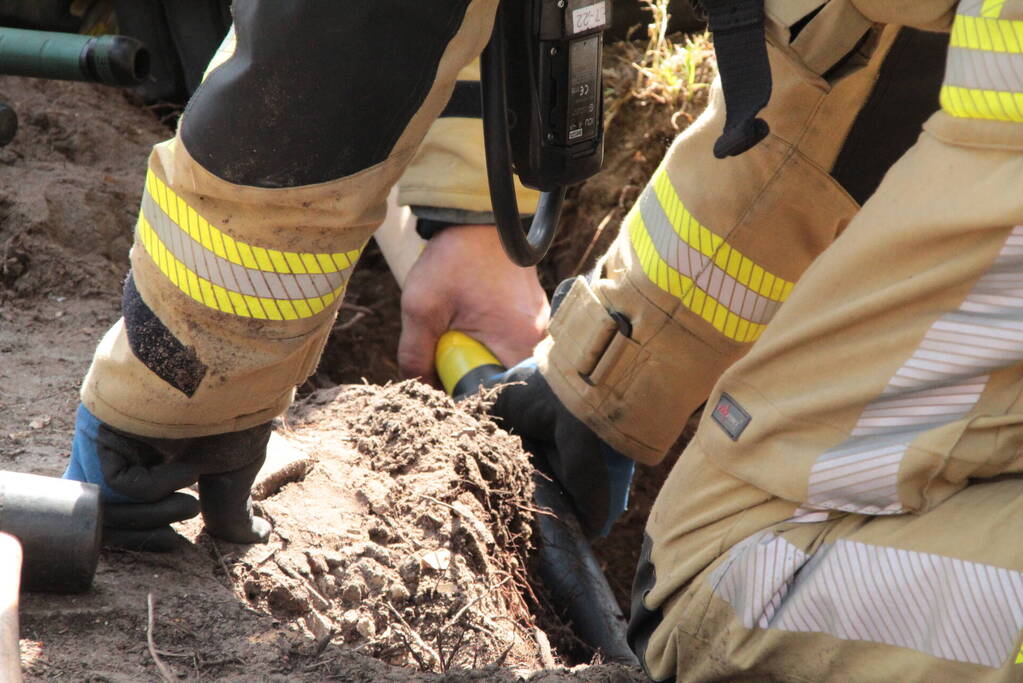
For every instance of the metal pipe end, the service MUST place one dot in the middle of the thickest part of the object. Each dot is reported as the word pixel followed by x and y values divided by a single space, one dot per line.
pixel 116 60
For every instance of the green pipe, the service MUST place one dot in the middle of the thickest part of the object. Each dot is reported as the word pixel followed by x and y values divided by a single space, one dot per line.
pixel 112 60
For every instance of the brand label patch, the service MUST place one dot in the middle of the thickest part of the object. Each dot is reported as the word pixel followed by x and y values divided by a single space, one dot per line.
pixel 730 416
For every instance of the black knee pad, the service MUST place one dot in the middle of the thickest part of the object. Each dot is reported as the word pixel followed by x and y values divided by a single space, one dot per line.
pixel 317 90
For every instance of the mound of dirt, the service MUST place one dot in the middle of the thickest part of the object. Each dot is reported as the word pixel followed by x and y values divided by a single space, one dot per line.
pixel 409 538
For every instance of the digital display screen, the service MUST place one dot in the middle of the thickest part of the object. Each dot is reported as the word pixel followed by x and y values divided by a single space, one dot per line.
pixel 584 88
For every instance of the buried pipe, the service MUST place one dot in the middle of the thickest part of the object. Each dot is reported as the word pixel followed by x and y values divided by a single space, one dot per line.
pixel 566 562
pixel 571 572
pixel 58 524
pixel 10 579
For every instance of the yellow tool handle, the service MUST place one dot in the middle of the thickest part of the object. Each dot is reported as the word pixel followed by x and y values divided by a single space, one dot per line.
pixel 458 355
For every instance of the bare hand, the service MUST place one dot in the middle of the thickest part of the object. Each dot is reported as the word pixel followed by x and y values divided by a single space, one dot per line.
pixel 463 281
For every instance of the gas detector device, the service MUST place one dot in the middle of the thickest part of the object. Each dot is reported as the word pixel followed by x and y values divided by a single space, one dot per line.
pixel 542 111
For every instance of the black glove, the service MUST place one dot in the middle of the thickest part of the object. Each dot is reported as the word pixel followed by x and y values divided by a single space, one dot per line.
pixel 595 476
pixel 139 479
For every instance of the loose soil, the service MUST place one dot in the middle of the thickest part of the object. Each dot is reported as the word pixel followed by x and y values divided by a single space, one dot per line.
pixel 402 554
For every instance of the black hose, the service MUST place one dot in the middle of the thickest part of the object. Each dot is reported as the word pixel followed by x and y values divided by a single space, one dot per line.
pixel 571 572
pixel 524 250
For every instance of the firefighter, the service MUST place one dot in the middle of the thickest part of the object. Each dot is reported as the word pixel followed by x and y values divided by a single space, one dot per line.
pixel 253 217
pixel 850 506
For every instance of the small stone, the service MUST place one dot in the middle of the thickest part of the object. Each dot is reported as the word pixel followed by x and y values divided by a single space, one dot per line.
pixel 350 619
pixel 335 561
pixel 317 562
pixel 378 533
pixel 437 560
pixel 352 594
pixel 317 625
pixel 326 584
pixel 398 593
pixel 40 422
pixel 365 627
pixel 410 569
pixel 373 575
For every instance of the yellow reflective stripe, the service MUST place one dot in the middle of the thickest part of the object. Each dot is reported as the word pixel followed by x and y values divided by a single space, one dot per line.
pixel 990 35
pixel 280 264
pixel 726 257
pixel 972 103
pixel 686 227
pixel 240 307
pixel 991 9
pixel 219 298
pixel 340 261
pixel 248 256
pixel 326 264
pixel 311 263
pixel 294 262
pixel 696 300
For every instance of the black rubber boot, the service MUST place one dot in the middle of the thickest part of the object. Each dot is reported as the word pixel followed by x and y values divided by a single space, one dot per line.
pixel 226 505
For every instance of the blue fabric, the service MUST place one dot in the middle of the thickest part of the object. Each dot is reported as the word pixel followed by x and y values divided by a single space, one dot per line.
pixel 84 464
pixel 528 364
pixel 619 479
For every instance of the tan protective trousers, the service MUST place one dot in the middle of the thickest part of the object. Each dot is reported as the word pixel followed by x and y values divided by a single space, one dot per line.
pixel 850 507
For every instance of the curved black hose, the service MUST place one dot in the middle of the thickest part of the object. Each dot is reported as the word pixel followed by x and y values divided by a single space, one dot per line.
pixel 524 250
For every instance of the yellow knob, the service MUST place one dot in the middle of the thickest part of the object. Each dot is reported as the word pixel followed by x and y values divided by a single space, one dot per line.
pixel 457 355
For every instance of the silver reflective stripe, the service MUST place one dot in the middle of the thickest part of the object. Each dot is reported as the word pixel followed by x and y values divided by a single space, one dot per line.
pixel 231 276
pixel 979 8
pixel 698 267
pixel 984 70
pixel 939 384
pixel 942 606
pixel 757 576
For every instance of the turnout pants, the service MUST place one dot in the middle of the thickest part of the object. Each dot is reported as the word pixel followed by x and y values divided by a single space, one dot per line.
pixel 850 507
pixel 255 213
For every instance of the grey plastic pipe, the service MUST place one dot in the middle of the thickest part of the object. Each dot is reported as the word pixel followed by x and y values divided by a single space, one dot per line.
pixel 58 523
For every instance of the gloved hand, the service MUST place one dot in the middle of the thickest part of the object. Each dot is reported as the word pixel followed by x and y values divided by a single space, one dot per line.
pixel 595 476
pixel 139 479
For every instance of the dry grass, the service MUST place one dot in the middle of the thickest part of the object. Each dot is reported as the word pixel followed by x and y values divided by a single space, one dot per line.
pixel 669 70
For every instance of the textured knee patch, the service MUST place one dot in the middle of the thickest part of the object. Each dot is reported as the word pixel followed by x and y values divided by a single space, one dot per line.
pixel 156 346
